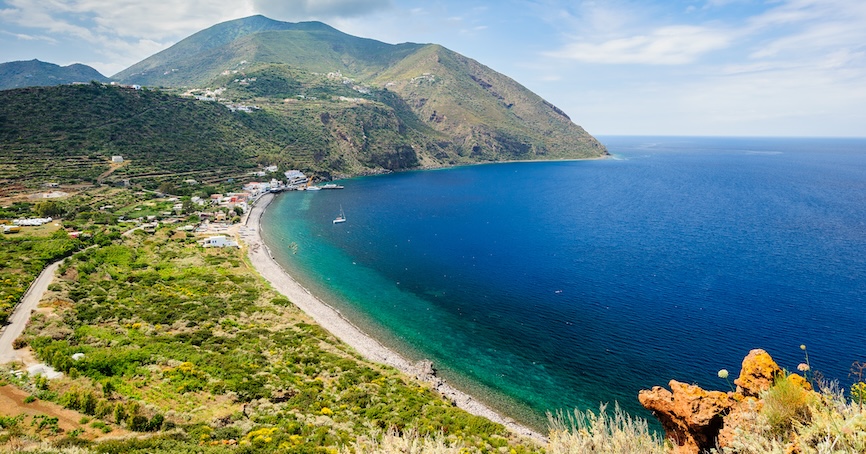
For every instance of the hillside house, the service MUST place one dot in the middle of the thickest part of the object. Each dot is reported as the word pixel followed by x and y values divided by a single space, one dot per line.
pixel 219 241
pixel 117 159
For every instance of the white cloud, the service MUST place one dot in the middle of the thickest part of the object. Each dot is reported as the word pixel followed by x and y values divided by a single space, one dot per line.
pixel 26 37
pixel 121 32
pixel 806 28
pixel 673 45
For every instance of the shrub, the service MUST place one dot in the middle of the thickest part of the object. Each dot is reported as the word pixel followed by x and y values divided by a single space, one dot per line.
pixel 601 433
pixel 409 442
pixel 787 403
pixel 19 342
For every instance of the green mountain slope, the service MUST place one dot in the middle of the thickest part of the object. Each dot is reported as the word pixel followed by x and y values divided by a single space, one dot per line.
pixel 163 137
pixel 300 95
pixel 483 115
pixel 81 127
pixel 34 73
pixel 488 114
pixel 238 44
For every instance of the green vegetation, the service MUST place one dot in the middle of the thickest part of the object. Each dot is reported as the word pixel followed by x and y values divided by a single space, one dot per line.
pixel 19 74
pixel 158 336
pixel 795 420
pixel 190 344
pixel 81 127
pixel 311 98
pixel 23 259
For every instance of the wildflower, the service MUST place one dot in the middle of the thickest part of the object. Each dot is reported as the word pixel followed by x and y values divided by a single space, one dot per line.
pixel 723 373
pixel 802 346
pixel 803 367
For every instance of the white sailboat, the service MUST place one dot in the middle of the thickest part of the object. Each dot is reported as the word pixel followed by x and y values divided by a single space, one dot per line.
pixel 341 217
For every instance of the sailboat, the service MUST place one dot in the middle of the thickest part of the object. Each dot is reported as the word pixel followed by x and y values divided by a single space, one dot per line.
pixel 341 217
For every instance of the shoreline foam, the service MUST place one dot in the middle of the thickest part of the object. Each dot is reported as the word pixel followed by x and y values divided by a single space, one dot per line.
pixel 333 321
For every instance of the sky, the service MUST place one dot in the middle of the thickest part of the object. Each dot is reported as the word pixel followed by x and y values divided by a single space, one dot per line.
pixel 616 67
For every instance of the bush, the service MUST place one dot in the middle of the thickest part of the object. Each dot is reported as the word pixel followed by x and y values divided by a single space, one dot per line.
pixel 787 403
pixel 601 433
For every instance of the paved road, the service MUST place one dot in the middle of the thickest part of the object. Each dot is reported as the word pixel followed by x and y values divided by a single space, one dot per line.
pixel 21 315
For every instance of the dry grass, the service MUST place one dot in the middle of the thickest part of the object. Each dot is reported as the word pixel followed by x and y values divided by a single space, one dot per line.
pixel 404 443
pixel 794 421
pixel 603 433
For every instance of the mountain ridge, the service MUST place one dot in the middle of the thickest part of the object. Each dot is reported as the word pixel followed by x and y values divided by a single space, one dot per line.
pixel 487 115
pixel 30 73
pixel 320 100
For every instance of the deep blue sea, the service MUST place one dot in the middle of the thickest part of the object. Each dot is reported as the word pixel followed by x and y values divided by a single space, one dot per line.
pixel 553 285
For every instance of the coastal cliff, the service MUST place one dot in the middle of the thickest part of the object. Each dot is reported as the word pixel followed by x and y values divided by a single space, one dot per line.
pixel 770 410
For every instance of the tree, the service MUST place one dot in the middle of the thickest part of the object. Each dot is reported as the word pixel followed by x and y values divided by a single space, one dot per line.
pixel 48 209
pixel 166 188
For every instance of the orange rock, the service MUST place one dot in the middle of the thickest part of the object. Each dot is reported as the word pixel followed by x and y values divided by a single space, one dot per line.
pixel 742 415
pixel 800 381
pixel 690 415
pixel 758 373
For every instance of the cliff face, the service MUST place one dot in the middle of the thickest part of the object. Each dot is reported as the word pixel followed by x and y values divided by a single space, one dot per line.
pixel 697 421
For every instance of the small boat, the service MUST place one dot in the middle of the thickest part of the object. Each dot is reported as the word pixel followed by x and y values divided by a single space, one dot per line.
pixel 341 217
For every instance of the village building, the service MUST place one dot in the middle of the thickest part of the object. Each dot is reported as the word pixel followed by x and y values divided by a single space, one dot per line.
pixel 219 241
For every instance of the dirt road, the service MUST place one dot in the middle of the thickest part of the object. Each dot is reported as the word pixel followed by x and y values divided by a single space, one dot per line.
pixel 21 315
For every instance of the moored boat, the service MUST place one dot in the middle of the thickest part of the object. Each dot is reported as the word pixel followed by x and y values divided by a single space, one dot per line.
pixel 341 217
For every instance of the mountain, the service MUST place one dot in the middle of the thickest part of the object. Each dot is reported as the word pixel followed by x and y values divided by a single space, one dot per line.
pixel 478 113
pixel 255 92
pixel 35 73
pixel 241 43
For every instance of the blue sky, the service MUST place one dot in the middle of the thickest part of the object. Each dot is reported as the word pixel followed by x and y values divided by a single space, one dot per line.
pixel 690 67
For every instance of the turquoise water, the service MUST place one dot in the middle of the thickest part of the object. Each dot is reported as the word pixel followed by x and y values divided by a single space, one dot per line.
pixel 541 286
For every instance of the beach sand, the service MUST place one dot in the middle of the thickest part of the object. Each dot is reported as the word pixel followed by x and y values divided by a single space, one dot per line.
pixel 331 319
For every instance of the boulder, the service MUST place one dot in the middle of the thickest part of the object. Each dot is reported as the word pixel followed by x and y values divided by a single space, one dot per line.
pixel 696 420
pixel 758 373
pixel 690 415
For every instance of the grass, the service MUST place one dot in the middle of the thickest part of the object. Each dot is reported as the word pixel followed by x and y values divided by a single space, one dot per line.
pixel 794 419
pixel 602 432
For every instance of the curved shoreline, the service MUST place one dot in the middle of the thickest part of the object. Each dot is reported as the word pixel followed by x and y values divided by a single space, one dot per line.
pixel 333 321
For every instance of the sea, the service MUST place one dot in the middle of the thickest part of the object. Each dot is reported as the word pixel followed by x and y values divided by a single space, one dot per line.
pixel 540 287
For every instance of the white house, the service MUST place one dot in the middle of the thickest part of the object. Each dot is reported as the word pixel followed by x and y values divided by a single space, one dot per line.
pixel 117 159
pixel 219 241
pixel 295 178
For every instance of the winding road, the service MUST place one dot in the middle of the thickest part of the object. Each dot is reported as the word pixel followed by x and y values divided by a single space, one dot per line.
pixel 19 318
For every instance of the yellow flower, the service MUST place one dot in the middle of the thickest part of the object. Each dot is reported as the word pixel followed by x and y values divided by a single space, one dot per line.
pixel 723 373
pixel 803 367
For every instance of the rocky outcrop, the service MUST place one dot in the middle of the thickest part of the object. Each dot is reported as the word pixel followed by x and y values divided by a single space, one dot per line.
pixel 758 373
pixel 696 420
pixel 691 416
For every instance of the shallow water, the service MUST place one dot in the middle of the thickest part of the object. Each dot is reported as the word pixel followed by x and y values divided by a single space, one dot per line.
pixel 540 286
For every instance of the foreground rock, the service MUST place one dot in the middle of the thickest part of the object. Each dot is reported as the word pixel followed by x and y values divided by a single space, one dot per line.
pixel 691 416
pixel 697 421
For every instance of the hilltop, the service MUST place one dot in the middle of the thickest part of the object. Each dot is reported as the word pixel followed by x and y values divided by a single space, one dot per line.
pixel 35 73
